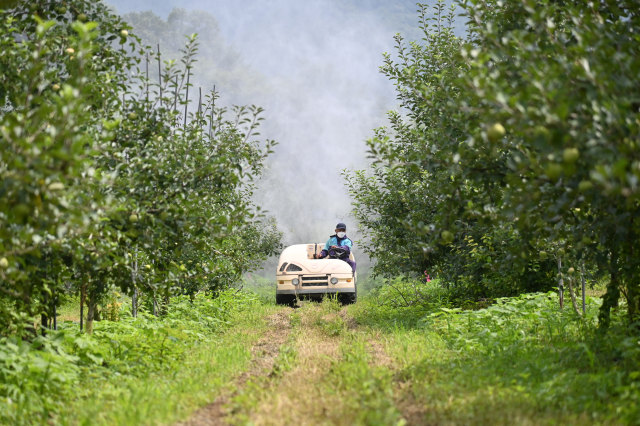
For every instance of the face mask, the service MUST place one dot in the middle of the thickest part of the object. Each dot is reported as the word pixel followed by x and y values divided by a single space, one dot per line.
pixel 341 234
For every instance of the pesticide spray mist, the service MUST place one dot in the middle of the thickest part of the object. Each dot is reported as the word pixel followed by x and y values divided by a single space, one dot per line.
pixel 314 67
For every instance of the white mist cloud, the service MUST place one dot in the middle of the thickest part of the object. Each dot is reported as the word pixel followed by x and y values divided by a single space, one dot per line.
pixel 323 96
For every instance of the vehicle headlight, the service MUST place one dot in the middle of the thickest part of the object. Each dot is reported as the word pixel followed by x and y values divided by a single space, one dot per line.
pixel 334 280
pixel 295 281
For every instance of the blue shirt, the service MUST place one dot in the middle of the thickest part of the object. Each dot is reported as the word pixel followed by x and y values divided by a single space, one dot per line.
pixel 344 243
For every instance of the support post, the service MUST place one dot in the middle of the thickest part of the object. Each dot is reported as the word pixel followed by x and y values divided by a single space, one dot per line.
pixel 584 291
pixel 186 104
pixel 160 74
pixel 55 313
pixel 175 93
pixel 82 297
pixel 134 296
pixel 147 82
pixel 155 305
pixel 213 105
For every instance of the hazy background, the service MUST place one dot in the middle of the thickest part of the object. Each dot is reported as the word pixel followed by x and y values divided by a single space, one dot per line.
pixel 314 66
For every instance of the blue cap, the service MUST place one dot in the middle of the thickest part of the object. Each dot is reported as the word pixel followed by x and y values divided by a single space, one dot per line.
pixel 341 226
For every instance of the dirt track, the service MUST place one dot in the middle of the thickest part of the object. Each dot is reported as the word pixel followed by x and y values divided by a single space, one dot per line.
pixel 264 353
pixel 293 379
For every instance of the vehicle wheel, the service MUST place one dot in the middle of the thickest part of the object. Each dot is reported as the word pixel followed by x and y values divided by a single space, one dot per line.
pixel 348 298
pixel 285 299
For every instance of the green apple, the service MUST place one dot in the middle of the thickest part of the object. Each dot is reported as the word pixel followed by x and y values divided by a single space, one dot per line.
pixel 55 87
pixel 571 155
pixel 4 263
pixel 55 186
pixel 496 132
pixel 585 185
pixel 82 17
pixel 133 116
pixel 124 33
pixel 133 218
pixel 447 236
pixel 553 171
pixel 571 271
pixel 586 240
pixel 541 132
pixel 543 255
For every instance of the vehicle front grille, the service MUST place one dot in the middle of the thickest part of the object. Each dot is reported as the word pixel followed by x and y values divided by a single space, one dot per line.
pixel 315 281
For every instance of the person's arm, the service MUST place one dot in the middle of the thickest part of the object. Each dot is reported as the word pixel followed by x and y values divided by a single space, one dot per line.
pixel 346 245
pixel 324 251
pixel 322 254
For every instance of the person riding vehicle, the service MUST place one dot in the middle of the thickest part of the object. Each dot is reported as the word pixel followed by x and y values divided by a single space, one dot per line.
pixel 338 247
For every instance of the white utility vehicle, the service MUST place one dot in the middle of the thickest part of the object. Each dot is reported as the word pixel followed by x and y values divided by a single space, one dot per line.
pixel 299 275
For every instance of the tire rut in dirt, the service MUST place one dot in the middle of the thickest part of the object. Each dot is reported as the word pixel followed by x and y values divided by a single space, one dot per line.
pixel 264 352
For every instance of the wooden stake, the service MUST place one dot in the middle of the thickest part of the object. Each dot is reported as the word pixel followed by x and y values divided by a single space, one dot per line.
pixel 82 296
pixel 160 74
pixel 186 105
pixel 147 82
pixel 55 313
pixel 134 297
pixel 213 105
pixel 175 99
pixel 584 290
pixel 200 101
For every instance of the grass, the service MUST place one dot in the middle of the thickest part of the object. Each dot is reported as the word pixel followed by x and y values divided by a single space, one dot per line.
pixel 521 361
pixel 380 362
pixel 330 377
pixel 145 371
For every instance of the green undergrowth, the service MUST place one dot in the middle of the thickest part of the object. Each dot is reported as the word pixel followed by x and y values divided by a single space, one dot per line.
pixel 136 371
pixel 261 287
pixel 522 360
pixel 366 389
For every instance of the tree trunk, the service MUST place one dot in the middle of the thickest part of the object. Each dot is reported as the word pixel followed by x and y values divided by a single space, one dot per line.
pixel 631 281
pixel 573 297
pixel 44 318
pixel 633 299
pixel 134 303
pixel 560 284
pixel 91 311
pixel 164 308
pixel 44 323
pixel 83 296
pixel 611 297
pixel 55 314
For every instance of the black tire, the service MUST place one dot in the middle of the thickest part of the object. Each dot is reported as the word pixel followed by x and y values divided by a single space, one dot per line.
pixel 285 299
pixel 348 298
